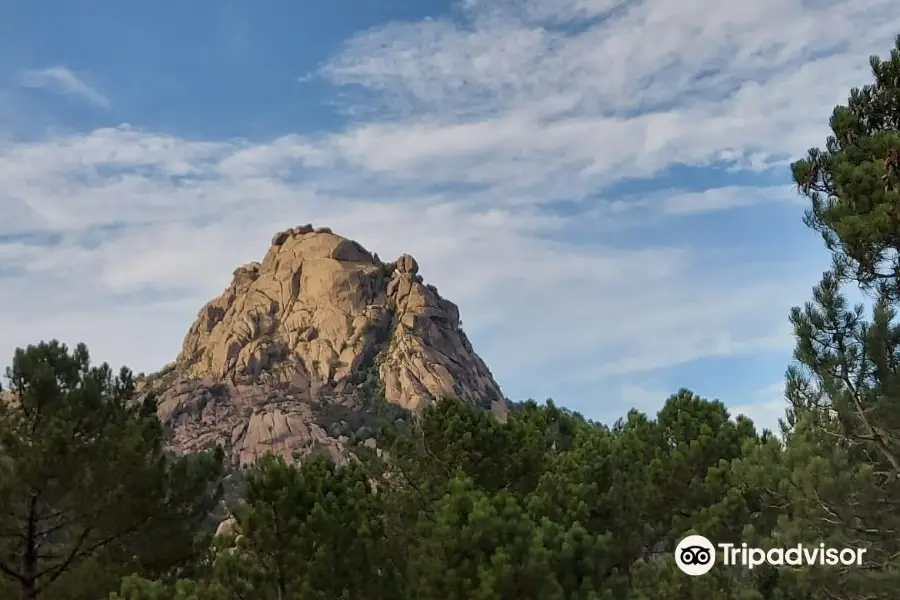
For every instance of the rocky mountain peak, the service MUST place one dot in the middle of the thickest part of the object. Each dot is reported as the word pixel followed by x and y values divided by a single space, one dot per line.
pixel 316 328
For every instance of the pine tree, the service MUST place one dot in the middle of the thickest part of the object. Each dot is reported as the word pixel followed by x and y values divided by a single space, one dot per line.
pixel 853 183
pixel 842 434
pixel 86 489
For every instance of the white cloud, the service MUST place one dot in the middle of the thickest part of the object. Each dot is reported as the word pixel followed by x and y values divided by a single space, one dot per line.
pixel 491 151
pixel 593 308
pixel 723 198
pixel 62 80
pixel 643 398
pixel 656 83
pixel 768 408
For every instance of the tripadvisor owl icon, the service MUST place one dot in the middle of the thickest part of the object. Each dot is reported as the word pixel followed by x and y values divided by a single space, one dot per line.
pixel 695 555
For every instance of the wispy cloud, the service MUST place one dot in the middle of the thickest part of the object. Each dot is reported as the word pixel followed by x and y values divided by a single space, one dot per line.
pixel 154 219
pixel 654 83
pixel 768 409
pixel 64 81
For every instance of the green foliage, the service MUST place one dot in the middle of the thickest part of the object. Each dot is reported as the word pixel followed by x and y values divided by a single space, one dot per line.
pixel 546 505
pixel 312 532
pixel 85 486
pixel 841 464
pixel 840 470
pixel 854 181
pixel 316 528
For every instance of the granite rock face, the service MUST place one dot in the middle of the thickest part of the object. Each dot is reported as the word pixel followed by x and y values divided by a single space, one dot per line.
pixel 287 357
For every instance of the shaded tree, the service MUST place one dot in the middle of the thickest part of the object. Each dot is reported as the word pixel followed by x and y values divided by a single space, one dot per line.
pixel 841 464
pixel 84 479
pixel 304 533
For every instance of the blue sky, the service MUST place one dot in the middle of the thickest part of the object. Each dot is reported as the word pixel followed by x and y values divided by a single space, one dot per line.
pixel 602 186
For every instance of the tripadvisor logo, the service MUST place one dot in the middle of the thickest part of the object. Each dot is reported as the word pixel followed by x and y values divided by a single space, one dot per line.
pixel 695 555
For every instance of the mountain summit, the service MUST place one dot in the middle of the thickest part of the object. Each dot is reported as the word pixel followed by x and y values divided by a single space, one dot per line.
pixel 301 350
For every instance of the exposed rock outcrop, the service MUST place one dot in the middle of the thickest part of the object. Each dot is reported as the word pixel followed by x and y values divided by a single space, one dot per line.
pixel 287 357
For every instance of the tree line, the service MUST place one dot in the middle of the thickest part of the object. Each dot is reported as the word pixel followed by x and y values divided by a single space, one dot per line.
pixel 547 506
